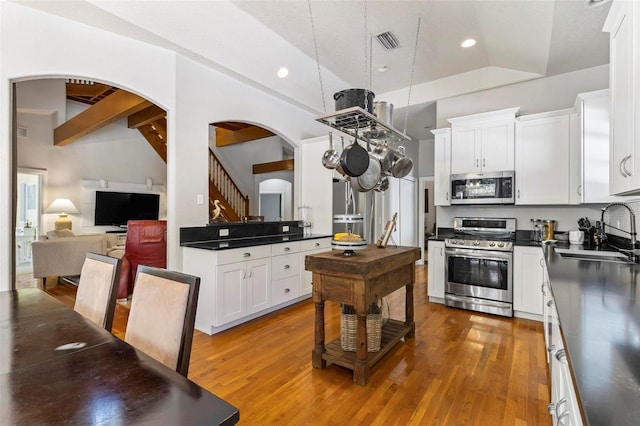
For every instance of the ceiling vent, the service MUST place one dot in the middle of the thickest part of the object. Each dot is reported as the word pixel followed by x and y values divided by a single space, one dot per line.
pixel 388 40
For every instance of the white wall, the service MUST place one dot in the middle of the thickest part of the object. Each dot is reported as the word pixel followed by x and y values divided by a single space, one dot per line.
pixel 36 44
pixel 540 95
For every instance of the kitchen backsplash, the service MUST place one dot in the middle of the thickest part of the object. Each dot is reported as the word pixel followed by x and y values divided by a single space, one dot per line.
pixel 566 216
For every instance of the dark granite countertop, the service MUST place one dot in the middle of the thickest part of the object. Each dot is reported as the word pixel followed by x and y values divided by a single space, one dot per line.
pixel 599 315
pixel 250 241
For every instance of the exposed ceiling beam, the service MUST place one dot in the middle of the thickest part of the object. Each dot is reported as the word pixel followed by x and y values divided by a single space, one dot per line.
pixel 112 108
pixel 145 116
pixel 159 145
pixel 274 166
pixel 226 137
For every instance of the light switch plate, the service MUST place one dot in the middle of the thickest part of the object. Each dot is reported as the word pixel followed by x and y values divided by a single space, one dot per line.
pixel 199 199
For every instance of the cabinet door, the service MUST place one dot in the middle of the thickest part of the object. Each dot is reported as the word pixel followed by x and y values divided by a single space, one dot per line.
pixel 528 276
pixel 442 168
pixel 258 285
pixel 435 269
pixel 542 160
pixel 622 159
pixel 465 148
pixel 497 146
pixel 230 293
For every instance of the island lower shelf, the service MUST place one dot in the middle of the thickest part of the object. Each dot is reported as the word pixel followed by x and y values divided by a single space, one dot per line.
pixel 392 332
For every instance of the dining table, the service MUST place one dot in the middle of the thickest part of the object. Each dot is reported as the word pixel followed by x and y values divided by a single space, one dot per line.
pixel 56 367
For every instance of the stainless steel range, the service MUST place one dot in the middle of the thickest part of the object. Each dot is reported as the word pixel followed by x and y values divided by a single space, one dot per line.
pixel 479 265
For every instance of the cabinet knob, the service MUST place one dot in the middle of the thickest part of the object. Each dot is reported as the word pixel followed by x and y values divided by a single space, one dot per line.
pixel 287 266
pixel 484 162
pixel 550 303
pixel 446 197
pixel 580 190
pixel 477 162
pixel 287 249
pixel 317 244
pixel 518 193
pixel 286 290
pixel 246 254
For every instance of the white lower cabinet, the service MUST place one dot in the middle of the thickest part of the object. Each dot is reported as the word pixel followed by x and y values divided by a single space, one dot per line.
pixel 237 285
pixel 285 277
pixel 564 408
pixel 528 278
pixel 242 288
pixel 435 270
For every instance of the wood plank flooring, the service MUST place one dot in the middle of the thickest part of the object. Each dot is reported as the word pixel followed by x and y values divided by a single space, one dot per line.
pixel 462 368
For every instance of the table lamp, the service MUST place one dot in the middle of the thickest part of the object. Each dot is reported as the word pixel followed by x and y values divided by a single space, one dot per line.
pixel 62 206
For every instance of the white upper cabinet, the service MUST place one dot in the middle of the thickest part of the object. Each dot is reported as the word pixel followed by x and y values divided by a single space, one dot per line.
pixel 592 146
pixel 542 158
pixel 624 164
pixel 442 166
pixel 483 142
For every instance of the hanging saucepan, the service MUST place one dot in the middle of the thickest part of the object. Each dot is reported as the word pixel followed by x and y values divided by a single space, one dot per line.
pixel 402 164
pixel 354 159
pixel 370 178
pixel 339 167
pixel 331 158
pixel 385 155
pixel 383 185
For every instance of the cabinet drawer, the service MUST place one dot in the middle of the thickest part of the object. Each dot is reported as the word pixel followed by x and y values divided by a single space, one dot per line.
pixel 243 254
pixel 320 243
pixel 285 248
pixel 284 290
pixel 285 266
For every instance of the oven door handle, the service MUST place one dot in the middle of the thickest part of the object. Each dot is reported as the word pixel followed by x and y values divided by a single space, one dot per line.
pixel 479 254
pixel 476 301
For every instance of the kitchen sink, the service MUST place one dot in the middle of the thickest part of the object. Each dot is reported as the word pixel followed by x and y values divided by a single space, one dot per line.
pixel 594 255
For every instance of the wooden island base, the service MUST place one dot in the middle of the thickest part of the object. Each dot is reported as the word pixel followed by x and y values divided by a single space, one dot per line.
pixel 359 281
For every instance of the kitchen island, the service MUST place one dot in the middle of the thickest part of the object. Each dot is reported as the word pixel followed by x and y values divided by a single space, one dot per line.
pixel 359 281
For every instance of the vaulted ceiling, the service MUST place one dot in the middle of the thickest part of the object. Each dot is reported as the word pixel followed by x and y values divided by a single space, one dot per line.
pixel 109 104
pixel 517 40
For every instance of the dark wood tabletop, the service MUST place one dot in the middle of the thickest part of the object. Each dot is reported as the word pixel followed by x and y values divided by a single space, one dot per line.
pixel 56 367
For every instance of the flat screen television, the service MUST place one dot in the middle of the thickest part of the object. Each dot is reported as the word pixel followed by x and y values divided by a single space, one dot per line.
pixel 117 208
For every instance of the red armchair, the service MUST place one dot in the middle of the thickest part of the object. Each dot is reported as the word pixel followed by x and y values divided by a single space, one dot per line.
pixel 146 245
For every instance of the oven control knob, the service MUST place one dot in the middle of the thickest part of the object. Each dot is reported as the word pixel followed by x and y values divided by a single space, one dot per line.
pixel 492 243
pixel 476 243
pixel 461 242
pixel 500 244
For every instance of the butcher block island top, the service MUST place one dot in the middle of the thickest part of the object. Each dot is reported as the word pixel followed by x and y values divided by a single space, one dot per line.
pixel 359 281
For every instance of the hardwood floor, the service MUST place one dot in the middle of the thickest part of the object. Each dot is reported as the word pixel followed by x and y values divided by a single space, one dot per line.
pixel 462 368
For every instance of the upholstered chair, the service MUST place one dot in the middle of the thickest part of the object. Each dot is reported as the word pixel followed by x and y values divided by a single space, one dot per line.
pixel 96 295
pixel 146 245
pixel 162 316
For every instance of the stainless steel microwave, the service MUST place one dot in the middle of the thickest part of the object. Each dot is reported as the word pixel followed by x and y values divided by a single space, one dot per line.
pixel 483 188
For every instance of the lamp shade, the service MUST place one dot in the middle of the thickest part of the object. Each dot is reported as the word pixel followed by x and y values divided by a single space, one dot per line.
pixel 61 205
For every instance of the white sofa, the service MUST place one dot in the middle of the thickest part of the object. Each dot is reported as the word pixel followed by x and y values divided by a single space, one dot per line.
pixel 62 254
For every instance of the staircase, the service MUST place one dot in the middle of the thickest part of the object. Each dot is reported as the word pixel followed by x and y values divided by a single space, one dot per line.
pixel 222 188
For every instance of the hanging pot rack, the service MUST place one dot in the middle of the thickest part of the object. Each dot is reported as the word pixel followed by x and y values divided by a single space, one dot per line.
pixel 349 120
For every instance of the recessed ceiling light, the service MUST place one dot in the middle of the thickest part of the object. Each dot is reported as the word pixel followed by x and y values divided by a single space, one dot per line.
pixel 283 72
pixel 468 42
pixel 383 68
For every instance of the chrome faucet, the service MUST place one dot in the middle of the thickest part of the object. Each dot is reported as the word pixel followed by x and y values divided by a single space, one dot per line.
pixel 632 219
